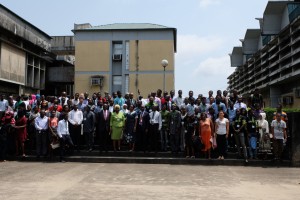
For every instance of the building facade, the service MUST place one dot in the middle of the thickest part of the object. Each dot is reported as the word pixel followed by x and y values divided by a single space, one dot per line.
pixel 269 58
pixel 124 57
pixel 24 54
pixel 60 73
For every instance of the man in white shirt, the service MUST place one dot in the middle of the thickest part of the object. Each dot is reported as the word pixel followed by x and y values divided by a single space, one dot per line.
pixel 75 119
pixel 278 130
pixel 154 128
pixel 3 105
pixel 179 100
pixel 64 136
pixel 41 126
pixel 239 103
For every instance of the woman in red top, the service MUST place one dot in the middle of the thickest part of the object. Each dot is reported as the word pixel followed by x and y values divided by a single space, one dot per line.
pixel 21 132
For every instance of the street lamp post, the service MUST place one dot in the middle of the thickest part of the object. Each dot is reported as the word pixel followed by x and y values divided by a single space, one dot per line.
pixel 164 63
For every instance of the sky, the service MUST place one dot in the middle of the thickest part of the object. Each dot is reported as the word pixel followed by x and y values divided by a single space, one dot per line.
pixel 207 30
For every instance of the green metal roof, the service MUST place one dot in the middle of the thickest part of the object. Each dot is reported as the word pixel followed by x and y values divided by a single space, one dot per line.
pixel 126 26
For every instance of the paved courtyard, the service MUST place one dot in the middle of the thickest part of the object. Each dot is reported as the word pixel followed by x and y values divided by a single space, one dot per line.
pixel 34 180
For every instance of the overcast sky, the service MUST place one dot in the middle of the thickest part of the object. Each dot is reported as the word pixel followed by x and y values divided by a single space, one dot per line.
pixel 207 30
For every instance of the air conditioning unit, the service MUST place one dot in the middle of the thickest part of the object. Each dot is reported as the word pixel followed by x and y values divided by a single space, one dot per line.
pixel 117 57
pixel 297 93
pixel 96 81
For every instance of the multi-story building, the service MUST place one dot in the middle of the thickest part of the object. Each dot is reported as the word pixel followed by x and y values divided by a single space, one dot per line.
pixel 124 57
pixel 269 58
pixel 60 73
pixel 24 54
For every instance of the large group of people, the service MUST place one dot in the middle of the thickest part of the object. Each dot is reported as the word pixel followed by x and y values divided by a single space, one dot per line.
pixel 160 122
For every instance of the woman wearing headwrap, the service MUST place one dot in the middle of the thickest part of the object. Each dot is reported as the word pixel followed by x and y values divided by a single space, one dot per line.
pixel 117 123
pixel 264 139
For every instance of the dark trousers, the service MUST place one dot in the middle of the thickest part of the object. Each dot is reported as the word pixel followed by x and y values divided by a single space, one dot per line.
pixel 3 145
pixel 41 142
pixel 65 140
pixel 221 142
pixel 142 139
pixel 103 140
pixel 278 148
pixel 89 139
pixel 153 137
pixel 75 132
pixel 175 142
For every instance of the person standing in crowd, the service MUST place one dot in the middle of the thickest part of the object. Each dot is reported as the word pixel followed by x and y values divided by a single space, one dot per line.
pixel 225 98
pixel 7 122
pixel 234 96
pixel 3 105
pixel 130 127
pixel 203 108
pixel 117 123
pixel 132 101
pixel 264 137
pixel 88 128
pixel 111 106
pixel 208 99
pixel 178 100
pixel 252 134
pixel 283 114
pixel 75 118
pixel 75 101
pixel 239 126
pixel 190 109
pixel 62 99
pixel 64 135
pixel 150 104
pixel 119 100
pixel 188 137
pixel 256 98
pixel 53 123
pixel 191 96
pixel 231 113
pixel 142 128
pixel 41 126
pixel 184 117
pixel 165 128
pixel 239 104
pixel 222 131
pixel 206 130
pixel 154 128
pixel 218 105
pixel 80 106
pixel 175 120
pixel 103 119
pixel 278 130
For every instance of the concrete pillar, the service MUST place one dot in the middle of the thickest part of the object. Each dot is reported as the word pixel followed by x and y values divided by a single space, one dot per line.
pixel 275 94
pixel 294 132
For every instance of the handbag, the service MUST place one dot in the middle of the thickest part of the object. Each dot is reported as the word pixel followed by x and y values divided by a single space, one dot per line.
pixel 214 142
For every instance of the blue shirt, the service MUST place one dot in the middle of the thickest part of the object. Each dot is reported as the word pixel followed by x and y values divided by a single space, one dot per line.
pixel 231 114
pixel 216 108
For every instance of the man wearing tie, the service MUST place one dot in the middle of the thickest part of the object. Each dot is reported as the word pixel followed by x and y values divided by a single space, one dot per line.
pixel 154 128
pixel 142 128
pixel 103 127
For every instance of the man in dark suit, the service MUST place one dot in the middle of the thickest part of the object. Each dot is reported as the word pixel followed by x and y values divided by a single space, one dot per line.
pixel 142 129
pixel 103 127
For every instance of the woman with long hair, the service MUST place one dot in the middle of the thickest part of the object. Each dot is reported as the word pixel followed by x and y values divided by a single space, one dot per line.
pixel 222 131
pixel 206 130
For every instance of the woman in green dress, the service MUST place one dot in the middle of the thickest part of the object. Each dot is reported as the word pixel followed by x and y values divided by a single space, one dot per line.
pixel 117 123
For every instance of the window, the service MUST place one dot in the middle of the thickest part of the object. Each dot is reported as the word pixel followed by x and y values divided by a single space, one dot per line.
pixel 117 80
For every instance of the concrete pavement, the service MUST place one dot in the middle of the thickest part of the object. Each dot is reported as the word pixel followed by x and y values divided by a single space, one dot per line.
pixel 37 180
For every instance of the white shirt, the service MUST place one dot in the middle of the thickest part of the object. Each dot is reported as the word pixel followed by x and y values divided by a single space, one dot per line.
pixel 62 128
pixel 178 101
pixel 156 119
pixel 238 105
pixel 111 109
pixel 3 105
pixel 278 128
pixel 221 126
pixel 75 117
pixel 41 123
pixel 75 102
pixel 158 102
